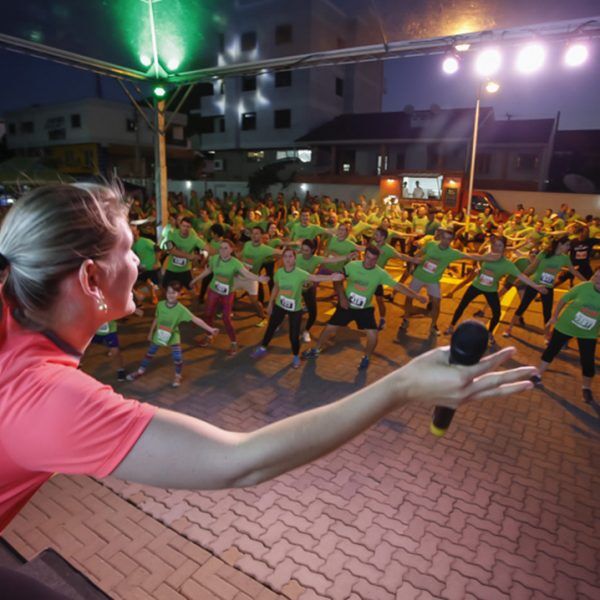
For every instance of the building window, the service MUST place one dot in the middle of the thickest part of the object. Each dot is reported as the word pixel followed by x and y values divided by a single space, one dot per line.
pixel 130 125
pixel 248 41
pixel 57 134
pixel 177 133
pixel 55 123
pixel 12 128
pixel 255 155
pixel 283 34
pixel 304 155
pixel 527 162
pixel 483 163
pixel 339 87
pixel 346 167
pixel 249 83
pixel 221 87
pixel 248 121
pixel 221 42
pixel 75 121
pixel 283 119
pixel 283 79
pixel 27 127
pixel 220 124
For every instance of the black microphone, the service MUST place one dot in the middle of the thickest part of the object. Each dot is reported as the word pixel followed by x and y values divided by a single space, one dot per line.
pixel 467 345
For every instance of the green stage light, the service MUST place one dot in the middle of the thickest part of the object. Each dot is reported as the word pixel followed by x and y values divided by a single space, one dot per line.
pixel 160 91
pixel 173 64
pixel 145 60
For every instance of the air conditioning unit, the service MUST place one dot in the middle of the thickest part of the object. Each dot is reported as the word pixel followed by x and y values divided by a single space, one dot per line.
pixel 218 164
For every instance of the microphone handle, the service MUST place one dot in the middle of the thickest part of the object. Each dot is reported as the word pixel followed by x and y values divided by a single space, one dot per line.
pixel 441 419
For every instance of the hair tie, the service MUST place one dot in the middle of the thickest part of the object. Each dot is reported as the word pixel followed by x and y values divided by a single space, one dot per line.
pixel 3 262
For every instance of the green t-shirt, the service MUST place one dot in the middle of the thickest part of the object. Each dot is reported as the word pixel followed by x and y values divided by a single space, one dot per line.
pixel 310 232
pixel 145 251
pixel 386 252
pixel 420 224
pixel 290 284
pixel 334 246
pixel 361 227
pixel 581 317
pixel 106 328
pixel 490 273
pixel 309 265
pixel 548 269
pixel 361 283
pixel 201 226
pixel 224 272
pixel 178 264
pixel 435 262
pixel 168 319
pixel 253 256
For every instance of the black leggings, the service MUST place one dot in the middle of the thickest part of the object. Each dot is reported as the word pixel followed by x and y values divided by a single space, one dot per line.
pixel 17 586
pixel 547 299
pixel 587 351
pixel 470 294
pixel 309 296
pixel 276 319
pixel 204 286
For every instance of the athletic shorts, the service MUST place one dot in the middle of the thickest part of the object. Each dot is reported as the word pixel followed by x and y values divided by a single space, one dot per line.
pixel 363 317
pixel 433 289
pixel 110 340
pixel 379 290
pixel 152 275
pixel 248 285
pixel 184 278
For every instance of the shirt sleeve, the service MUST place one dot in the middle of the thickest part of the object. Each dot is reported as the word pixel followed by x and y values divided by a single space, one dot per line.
pixel 186 314
pixel 75 424
pixel 387 279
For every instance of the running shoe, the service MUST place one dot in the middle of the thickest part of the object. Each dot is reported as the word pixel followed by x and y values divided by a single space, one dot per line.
pixel 434 331
pixel 135 375
pixel 233 349
pixel 536 380
pixel 492 342
pixel 296 362
pixel 205 341
pixel 177 381
pixel 588 398
pixel 479 313
pixel 364 363
pixel 506 334
pixel 121 375
pixel 311 353
pixel 449 331
pixel 381 325
pixel 306 337
pixel 521 321
pixel 261 323
pixel 258 352
pixel 403 325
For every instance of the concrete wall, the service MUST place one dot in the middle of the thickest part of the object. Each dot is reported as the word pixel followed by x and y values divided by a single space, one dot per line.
pixel 584 204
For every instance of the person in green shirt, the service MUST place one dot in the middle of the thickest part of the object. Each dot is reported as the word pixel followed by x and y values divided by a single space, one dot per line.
pixel 486 283
pixel 253 255
pixel 286 299
pixel 420 221
pixel 202 223
pixel 164 332
pixel 224 268
pixel 543 271
pixel 362 279
pixel 303 229
pixel 149 266
pixel 181 245
pixel 434 258
pixel 106 335
pixel 577 315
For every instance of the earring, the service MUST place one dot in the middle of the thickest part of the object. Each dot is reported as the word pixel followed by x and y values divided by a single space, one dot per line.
pixel 102 306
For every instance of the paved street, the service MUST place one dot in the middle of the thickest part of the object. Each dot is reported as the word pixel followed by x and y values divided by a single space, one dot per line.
pixel 507 505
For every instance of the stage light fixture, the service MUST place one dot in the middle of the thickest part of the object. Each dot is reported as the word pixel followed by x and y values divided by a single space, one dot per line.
pixel 488 62
pixel 531 58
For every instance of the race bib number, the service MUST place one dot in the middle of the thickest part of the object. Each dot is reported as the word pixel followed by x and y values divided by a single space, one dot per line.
pixel 486 279
pixel 419 230
pixel 103 329
pixel 584 321
pixel 221 288
pixel 179 261
pixel 287 303
pixel 430 266
pixel 163 335
pixel 547 278
pixel 356 300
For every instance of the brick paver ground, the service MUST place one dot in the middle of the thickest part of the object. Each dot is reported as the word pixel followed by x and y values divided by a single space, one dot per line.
pixel 507 505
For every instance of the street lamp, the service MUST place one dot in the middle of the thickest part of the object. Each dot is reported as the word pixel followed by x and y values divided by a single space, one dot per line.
pixel 491 87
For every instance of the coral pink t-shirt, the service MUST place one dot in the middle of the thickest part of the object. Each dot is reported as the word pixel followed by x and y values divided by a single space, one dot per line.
pixel 55 418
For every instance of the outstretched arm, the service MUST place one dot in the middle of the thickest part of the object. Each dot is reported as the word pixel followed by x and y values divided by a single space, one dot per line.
pixel 179 451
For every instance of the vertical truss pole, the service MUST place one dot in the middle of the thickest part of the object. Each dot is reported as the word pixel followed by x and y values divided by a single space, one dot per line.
pixel 160 167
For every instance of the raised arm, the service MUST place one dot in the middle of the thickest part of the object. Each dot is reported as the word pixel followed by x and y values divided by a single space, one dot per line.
pixel 180 451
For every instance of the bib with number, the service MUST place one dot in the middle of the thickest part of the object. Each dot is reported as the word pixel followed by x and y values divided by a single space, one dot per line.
pixel 163 335
pixel 221 288
pixel 430 266
pixel 584 321
pixel 581 255
pixel 547 278
pixel 103 329
pixel 486 279
pixel 287 303
pixel 356 300
pixel 179 261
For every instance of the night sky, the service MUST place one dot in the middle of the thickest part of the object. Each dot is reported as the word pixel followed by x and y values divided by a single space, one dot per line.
pixel 417 81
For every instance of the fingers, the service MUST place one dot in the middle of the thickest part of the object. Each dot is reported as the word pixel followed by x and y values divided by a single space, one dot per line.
pixel 504 390
pixel 494 381
pixel 488 363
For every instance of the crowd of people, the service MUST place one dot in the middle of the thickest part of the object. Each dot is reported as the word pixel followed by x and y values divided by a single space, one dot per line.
pixel 279 252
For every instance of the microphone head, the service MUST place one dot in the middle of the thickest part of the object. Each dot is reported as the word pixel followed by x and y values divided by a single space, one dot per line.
pixel 468 343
